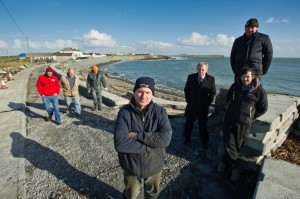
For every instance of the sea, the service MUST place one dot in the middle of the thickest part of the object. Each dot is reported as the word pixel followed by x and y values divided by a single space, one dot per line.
pixel 171 74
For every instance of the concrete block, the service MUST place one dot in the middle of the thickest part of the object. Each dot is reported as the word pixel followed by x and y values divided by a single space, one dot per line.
pixel 276 181
pixel 281 128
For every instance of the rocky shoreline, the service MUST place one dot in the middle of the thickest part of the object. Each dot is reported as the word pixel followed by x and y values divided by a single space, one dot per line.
pixel 77 159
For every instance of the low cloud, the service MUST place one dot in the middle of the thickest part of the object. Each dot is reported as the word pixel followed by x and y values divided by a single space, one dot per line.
pixel 3 44
pixel 46 45
pixel 194 39
pixel 98 39
pixel 155 44
pixel 273 20
pixel 197 39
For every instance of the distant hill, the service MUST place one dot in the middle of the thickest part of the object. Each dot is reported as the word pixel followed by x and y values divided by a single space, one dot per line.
pixel 200 56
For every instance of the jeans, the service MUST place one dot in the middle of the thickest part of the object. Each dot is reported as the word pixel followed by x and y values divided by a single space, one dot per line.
pixel 97 98
pixel 70 100
pixel 54 100
pixel 133 185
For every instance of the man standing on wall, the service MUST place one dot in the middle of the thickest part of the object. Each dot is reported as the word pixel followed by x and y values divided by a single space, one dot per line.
pixel 251 49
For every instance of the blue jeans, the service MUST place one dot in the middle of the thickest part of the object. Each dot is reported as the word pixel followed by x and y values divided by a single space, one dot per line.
pixel 97 98
pixel 54 100
pixel 70 100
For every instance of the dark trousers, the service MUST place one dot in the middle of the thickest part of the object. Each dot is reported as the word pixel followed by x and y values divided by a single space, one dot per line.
pixel 201 114
pixel 97 98
pixel 234 136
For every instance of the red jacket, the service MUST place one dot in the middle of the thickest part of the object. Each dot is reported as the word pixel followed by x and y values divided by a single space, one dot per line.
pixel 48 86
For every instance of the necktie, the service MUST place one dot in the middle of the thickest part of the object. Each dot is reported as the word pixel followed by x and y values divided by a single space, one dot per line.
pixel 200 80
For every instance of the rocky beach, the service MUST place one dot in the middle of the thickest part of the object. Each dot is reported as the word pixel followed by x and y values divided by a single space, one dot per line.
pixel 77 159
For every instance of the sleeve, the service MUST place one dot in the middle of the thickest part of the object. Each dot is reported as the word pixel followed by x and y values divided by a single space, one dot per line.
pixel 262 105
pixel 232 56
pixel 212 91
pixel 124 144
pixel 57 86
pixel 103 80
pixel 161 137
pixel 187 90
pixel 88 80
pixel 39 86
pixel 267 55
pixel 230 94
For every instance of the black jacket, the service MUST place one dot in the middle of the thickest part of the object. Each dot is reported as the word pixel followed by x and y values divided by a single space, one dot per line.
pixel 196 95
pixel 143 156
pixel 95 81
pixel 256 52
pixel 244 105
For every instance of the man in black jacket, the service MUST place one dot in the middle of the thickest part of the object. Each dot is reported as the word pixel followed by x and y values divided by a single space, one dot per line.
pixel 251 49
pixel 246 100
pixel 142 132
pixel 199 91
pixel 95 81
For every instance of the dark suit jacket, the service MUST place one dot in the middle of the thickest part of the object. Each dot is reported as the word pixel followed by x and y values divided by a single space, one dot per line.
pixel 199 96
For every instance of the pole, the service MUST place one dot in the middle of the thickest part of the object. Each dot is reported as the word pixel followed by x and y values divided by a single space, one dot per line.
pixel 29 51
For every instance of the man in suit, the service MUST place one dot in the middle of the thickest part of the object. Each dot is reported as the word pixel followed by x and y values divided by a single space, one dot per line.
pixel 199 91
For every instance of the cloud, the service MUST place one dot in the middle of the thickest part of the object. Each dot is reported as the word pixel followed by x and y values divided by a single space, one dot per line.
pixel 194 39
pixel 273 20
pixel 224 40
pixel 3 44
pixel 197 39
pixel 155 44
pixel 53 46
pixel 18 44
pixel 98 39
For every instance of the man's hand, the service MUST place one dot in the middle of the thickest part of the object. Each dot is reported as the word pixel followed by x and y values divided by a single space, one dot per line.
pixel 132 135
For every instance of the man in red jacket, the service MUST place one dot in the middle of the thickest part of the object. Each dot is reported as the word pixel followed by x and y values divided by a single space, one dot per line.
pixel 48 87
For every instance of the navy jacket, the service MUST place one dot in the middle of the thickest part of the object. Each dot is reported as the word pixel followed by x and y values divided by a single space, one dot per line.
pixel 256 52
pixel 245 105
pixel 143 156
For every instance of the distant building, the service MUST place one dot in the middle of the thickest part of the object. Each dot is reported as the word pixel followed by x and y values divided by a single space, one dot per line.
pixel 63 55
pixel 39 56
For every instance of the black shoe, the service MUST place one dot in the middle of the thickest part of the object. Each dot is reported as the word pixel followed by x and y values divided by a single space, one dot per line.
pixel 78 115
pixel 94 108
pixel 58 123
pixel 49 119
pixel 204 145
pixel 185 142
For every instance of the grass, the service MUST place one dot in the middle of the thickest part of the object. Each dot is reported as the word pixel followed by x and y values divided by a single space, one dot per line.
pixel 12 61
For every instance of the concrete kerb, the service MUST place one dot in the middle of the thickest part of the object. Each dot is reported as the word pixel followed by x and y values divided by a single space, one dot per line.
pixel 12 111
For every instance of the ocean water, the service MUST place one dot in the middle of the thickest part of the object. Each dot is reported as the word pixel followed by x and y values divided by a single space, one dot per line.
pixel 283 74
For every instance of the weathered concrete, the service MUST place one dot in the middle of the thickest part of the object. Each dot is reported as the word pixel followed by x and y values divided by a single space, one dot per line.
pixel 278 179
pixel 270 130
pixel 13 119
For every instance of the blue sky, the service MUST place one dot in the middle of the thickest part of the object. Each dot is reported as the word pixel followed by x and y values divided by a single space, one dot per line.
pixel 166 27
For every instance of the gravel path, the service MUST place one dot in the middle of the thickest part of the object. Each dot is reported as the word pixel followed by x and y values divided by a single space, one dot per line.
pixel 77 159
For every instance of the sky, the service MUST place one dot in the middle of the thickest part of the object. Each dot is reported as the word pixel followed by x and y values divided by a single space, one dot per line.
pixel 163 27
